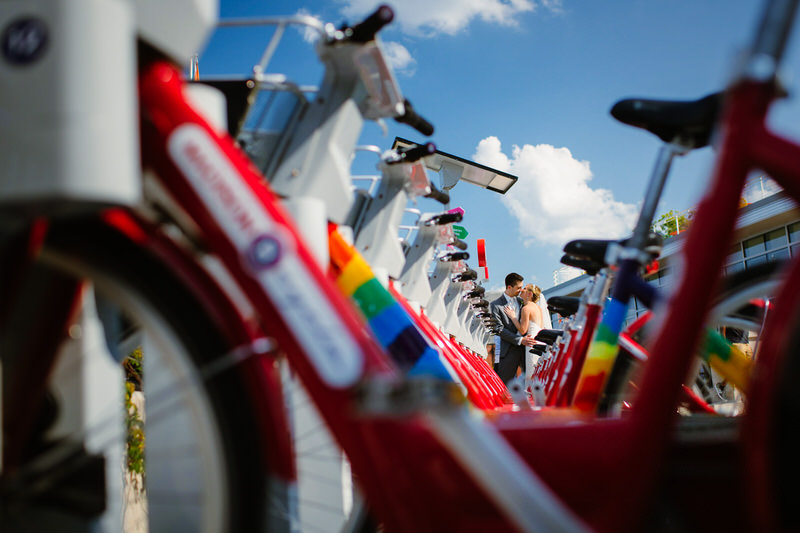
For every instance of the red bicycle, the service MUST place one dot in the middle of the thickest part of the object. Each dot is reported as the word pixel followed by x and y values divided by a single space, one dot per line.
pixel 424 459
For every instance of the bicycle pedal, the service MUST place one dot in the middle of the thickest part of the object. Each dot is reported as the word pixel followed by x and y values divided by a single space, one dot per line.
pixel 537 392
pixel 519 394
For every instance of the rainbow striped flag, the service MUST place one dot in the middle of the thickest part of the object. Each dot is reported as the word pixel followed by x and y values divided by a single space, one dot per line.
pixel 727 359
pixel 600 357
pixel 390 324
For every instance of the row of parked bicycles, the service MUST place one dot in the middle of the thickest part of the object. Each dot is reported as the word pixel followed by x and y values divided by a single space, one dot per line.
pixel 214 227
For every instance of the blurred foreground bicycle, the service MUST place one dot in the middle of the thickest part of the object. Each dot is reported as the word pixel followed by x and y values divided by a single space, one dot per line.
pixel 425 460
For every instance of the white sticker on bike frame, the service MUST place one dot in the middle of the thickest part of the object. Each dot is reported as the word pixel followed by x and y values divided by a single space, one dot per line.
pixel 270 253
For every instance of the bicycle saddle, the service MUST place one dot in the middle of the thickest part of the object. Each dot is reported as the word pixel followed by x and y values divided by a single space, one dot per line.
pixel 539 349
pixel 688 122
pixel 564 305
pixel 591 267
pixel 595 249
pixel 548 336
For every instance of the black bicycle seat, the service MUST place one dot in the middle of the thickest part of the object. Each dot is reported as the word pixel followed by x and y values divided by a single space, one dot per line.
pixel 564 305
pixel 548 336
pixel 589 249
pixel 689 122
pixel 591 267
pixel 595 249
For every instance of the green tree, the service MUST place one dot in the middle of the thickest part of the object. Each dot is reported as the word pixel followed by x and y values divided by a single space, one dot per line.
pixel 673 222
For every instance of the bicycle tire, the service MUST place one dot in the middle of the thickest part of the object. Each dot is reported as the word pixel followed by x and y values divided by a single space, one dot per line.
pixel 731 308
pixel 734 308
pixel 706 448
pixel 204 466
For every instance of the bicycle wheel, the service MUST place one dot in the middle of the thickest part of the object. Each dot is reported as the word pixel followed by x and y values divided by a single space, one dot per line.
pixel 203 466
pixel 739 313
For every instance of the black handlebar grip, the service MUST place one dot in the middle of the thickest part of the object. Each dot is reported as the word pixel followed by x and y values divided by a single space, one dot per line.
pixel 446 218
pixel 416 153
pixel 454 256
pixel 365 31
pixel 458 243
pixel 440 196
pixel 467 275
pixel 477 291
pixel 411 118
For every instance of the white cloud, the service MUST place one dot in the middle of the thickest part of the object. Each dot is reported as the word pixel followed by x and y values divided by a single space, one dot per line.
pixel 432 17
pixel 400 58
pixel 552 199
pixel 309 35
pixel 553 5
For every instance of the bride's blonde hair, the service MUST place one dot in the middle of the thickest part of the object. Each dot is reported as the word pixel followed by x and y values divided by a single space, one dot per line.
pixel 535 290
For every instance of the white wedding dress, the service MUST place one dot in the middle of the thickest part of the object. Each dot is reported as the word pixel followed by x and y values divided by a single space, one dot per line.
pixel 531 358
pixel 546 322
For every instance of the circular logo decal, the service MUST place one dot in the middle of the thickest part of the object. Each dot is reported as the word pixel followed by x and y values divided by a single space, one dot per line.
pixel 264 251
pixel 24 40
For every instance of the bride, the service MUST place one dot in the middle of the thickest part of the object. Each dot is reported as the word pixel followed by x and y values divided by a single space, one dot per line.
pixel 531 320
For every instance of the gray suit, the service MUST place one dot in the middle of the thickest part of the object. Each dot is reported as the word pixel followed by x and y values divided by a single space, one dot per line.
pixel 512 353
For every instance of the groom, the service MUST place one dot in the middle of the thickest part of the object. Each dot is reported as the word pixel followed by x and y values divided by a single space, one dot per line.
pixel 512 344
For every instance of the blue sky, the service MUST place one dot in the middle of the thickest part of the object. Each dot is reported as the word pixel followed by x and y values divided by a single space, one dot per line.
pixel 525 86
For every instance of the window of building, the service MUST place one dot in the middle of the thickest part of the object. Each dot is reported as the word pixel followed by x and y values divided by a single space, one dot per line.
pixel 735 253
pixel 660 278
pixel 776 239
pixel 774 245
pixel 754 246
pixel 794 232
pixel 780 243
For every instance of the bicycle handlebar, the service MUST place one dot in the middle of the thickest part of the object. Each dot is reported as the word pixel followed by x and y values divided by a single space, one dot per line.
pixel 411 118
pixel 414 153
pixel 454 256
pixel 365 31
pixel 440 196
pixel 467 275
pixel 444 218
pixel 458 243
pixel 477 292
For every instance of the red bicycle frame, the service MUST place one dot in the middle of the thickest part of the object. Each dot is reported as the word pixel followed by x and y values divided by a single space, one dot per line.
pixel 630 450
pixel 401 459
pixel 415 472
pixel 573 359
pixel 484 389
